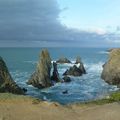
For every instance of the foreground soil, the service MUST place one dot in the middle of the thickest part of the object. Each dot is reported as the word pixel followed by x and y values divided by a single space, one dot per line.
pixel 25 108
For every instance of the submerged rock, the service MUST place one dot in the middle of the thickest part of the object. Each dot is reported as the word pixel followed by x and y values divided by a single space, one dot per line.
pixel 41 77
pixel 111 69
pixel 55 75
pixel 65 92
pixel 63 60
pixel 7 84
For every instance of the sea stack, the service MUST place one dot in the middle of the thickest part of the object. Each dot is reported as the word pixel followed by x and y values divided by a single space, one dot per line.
pixel 81 66
pixel 55 75
pixel 41 77
pixel 111 69
pixel 63 60
pixel 7 84
pixel 76 70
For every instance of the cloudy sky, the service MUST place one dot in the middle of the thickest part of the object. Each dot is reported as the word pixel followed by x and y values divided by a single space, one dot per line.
pixel 57 23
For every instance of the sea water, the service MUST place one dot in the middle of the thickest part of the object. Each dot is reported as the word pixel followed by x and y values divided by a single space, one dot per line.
pixel 22 63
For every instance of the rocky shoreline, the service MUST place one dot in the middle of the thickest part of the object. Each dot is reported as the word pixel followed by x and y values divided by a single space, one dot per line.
pixel 43 77
pixel 29 108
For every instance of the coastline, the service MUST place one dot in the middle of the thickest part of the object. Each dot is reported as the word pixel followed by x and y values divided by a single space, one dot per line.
pixel 21 107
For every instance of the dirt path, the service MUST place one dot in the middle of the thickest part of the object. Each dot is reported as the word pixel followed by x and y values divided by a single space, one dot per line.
pixel 27 110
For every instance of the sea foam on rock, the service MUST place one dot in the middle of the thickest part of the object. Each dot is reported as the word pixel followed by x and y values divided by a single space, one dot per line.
pixel 7 84
pixel 111 69
pixel 76 70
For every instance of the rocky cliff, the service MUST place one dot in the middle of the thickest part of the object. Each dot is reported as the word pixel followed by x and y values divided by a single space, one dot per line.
pixel 7 83
pixel 111 69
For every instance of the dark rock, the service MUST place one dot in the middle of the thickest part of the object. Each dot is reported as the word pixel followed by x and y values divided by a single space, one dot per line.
pixel 63 60
pixel 41 77
pixel 65 92
pixel 111 69
pixel 66 79
pixel 7 84
pixel 82 68
pixel 55 76
pixel 74 71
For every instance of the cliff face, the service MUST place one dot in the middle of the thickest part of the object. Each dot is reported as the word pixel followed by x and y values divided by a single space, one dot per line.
pixel 41 77
pixel 7 84
pixel 111 69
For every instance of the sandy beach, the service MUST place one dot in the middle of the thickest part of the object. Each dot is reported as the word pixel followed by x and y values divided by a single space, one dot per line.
pixel 26 108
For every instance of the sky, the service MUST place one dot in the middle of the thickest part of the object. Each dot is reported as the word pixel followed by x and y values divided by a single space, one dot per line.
pixel 59 23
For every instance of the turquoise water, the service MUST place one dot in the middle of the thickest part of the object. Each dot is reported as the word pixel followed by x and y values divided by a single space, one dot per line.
pixel 22 62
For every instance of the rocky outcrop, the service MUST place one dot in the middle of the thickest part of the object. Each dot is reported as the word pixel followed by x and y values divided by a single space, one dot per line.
pixel 111 69
pixel 78 60
pixel 7 84
pixel 41 77
pixel 63 60
pixel 74 71
pixel 66 79
pixel 55 75
pixel 82 68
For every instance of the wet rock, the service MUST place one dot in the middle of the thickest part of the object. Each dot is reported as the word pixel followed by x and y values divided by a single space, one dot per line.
pixel 73 71
pixel 82 68
pixel 65 92
pixel 111 69
pixel 66 79
pixel 41 77
pixel 55 75
pixel 63 60
pixel 7 84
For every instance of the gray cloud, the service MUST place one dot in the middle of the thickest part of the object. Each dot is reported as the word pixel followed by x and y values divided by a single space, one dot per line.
pixel 36 23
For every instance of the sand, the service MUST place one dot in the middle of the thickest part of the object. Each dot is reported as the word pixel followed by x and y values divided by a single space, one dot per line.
pixel 29 109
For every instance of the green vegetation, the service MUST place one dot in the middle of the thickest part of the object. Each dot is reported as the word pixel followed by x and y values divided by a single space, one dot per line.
pixel 114 97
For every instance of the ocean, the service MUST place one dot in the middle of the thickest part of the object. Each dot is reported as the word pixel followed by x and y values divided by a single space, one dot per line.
pixel 22 63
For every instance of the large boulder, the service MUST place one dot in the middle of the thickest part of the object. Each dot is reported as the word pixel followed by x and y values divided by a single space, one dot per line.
pixel 7 84
pixel 55 75
pixel 63 60
pixel 111 69
pixel 41 77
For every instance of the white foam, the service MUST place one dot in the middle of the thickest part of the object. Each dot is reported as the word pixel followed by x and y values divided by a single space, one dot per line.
pixel 103 52
pixel 97 67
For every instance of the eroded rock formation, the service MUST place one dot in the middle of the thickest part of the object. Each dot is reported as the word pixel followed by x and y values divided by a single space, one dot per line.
pixel 41 77
pixel 7 84
pixel 111 69
pixel 55 75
